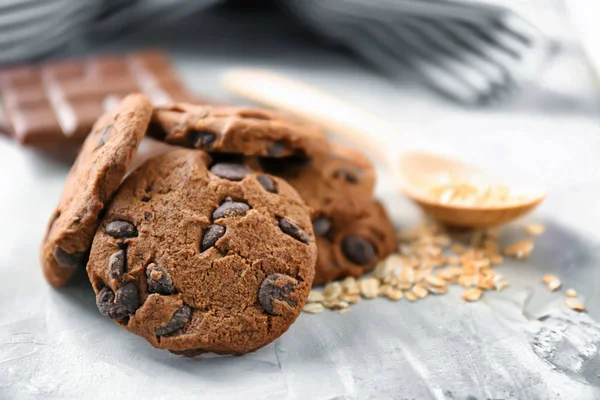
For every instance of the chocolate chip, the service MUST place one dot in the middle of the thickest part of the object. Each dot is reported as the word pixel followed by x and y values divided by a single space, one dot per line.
pixel 67 260
pixel 346 173
pixel 128 297
pixel 358 250
pixel 267 183
pixel 121 305
pixel 156 131
pixel 276 287
pixel 321 226
pixel 147 216
pixel 116 265
pixel 277 149
pixel 201 140
pixel 188 353
pixel 180 317
pixel 212 234
pixel 104 135
pixel 231 209
pixel 159 280
pixel 292 229
pixel 232 172
pixel 121 229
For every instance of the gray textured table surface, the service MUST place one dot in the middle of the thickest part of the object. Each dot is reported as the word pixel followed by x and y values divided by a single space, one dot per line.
pixel 517 344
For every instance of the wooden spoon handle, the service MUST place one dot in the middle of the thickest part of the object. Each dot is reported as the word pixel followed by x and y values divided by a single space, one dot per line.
pixel 343 120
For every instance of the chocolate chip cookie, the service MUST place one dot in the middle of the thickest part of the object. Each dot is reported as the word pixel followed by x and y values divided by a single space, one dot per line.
pixel 199 257
pixel 236 130
pixel 338 185
pixel 352 249
pixel 102 162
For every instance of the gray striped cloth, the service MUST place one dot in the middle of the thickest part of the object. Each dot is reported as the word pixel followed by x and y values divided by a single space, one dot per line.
pixel 470 51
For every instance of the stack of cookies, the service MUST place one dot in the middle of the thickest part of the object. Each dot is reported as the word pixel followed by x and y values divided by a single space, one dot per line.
pixel 213 249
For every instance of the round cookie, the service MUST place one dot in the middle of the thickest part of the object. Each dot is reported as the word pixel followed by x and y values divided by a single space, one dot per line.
pixel 203 260
pixel 226 129
pixel 336 186
pixel 102 163
pixel 352 249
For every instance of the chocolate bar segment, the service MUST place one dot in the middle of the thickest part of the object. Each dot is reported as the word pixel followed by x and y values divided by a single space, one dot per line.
pixel 60 101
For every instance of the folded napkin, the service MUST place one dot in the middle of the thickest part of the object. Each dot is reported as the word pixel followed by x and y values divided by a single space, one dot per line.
pixel 474 52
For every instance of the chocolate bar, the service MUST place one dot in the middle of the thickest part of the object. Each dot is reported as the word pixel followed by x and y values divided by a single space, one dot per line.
pixel 60 101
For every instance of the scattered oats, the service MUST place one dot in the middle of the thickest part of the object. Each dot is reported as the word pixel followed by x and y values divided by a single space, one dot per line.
pixel 410 296
pixel 315 297
pixel 436 290
pixel 420 291
pixel 336 304
pixel 344 310
pixel 313 308
pixel 383 289
pixel 472 294
pixel 554 285
pixel 406 276
pixel 435 281
pixel 486 282
pixel 350 298
pixel 571 292
pixel 520 250
pixel 501 284
pixel 459 249
pixel 453 260
pixel 574 304
pixel 535 229
pixel 496 259
pixel 468 281
pixel 548 278
pixel 394 294
pixel 332 291
pixel 369 288
pixel 350 286
pixel 450 274
pixel 421 274
pixel 405 249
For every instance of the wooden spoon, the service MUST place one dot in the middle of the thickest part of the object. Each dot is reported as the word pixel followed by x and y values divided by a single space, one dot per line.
pixel 416 173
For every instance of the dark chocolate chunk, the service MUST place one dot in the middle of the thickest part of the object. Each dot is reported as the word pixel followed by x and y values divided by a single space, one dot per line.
pixel 231 209
pixel 121 229
pixel 277 149
pixel 292 229
pixel 180 317
pixel 116 265
pixel 358 250
pixel 159 280
pixel 201 140
pixel 267 183
pixel 212 234
pixel 121 305
pixel 321 226
pixel 276 287
pixel 347 174
pixel 232 172
pixel 67 260
pixel 127 296
pixel 188 353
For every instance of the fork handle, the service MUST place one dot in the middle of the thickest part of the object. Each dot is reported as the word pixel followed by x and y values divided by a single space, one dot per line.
pixel 343 120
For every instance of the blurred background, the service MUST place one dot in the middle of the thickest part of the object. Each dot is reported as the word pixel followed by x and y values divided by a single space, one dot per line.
pixel 473 52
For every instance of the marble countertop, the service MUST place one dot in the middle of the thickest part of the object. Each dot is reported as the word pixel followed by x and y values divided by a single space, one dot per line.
pixel 521 343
